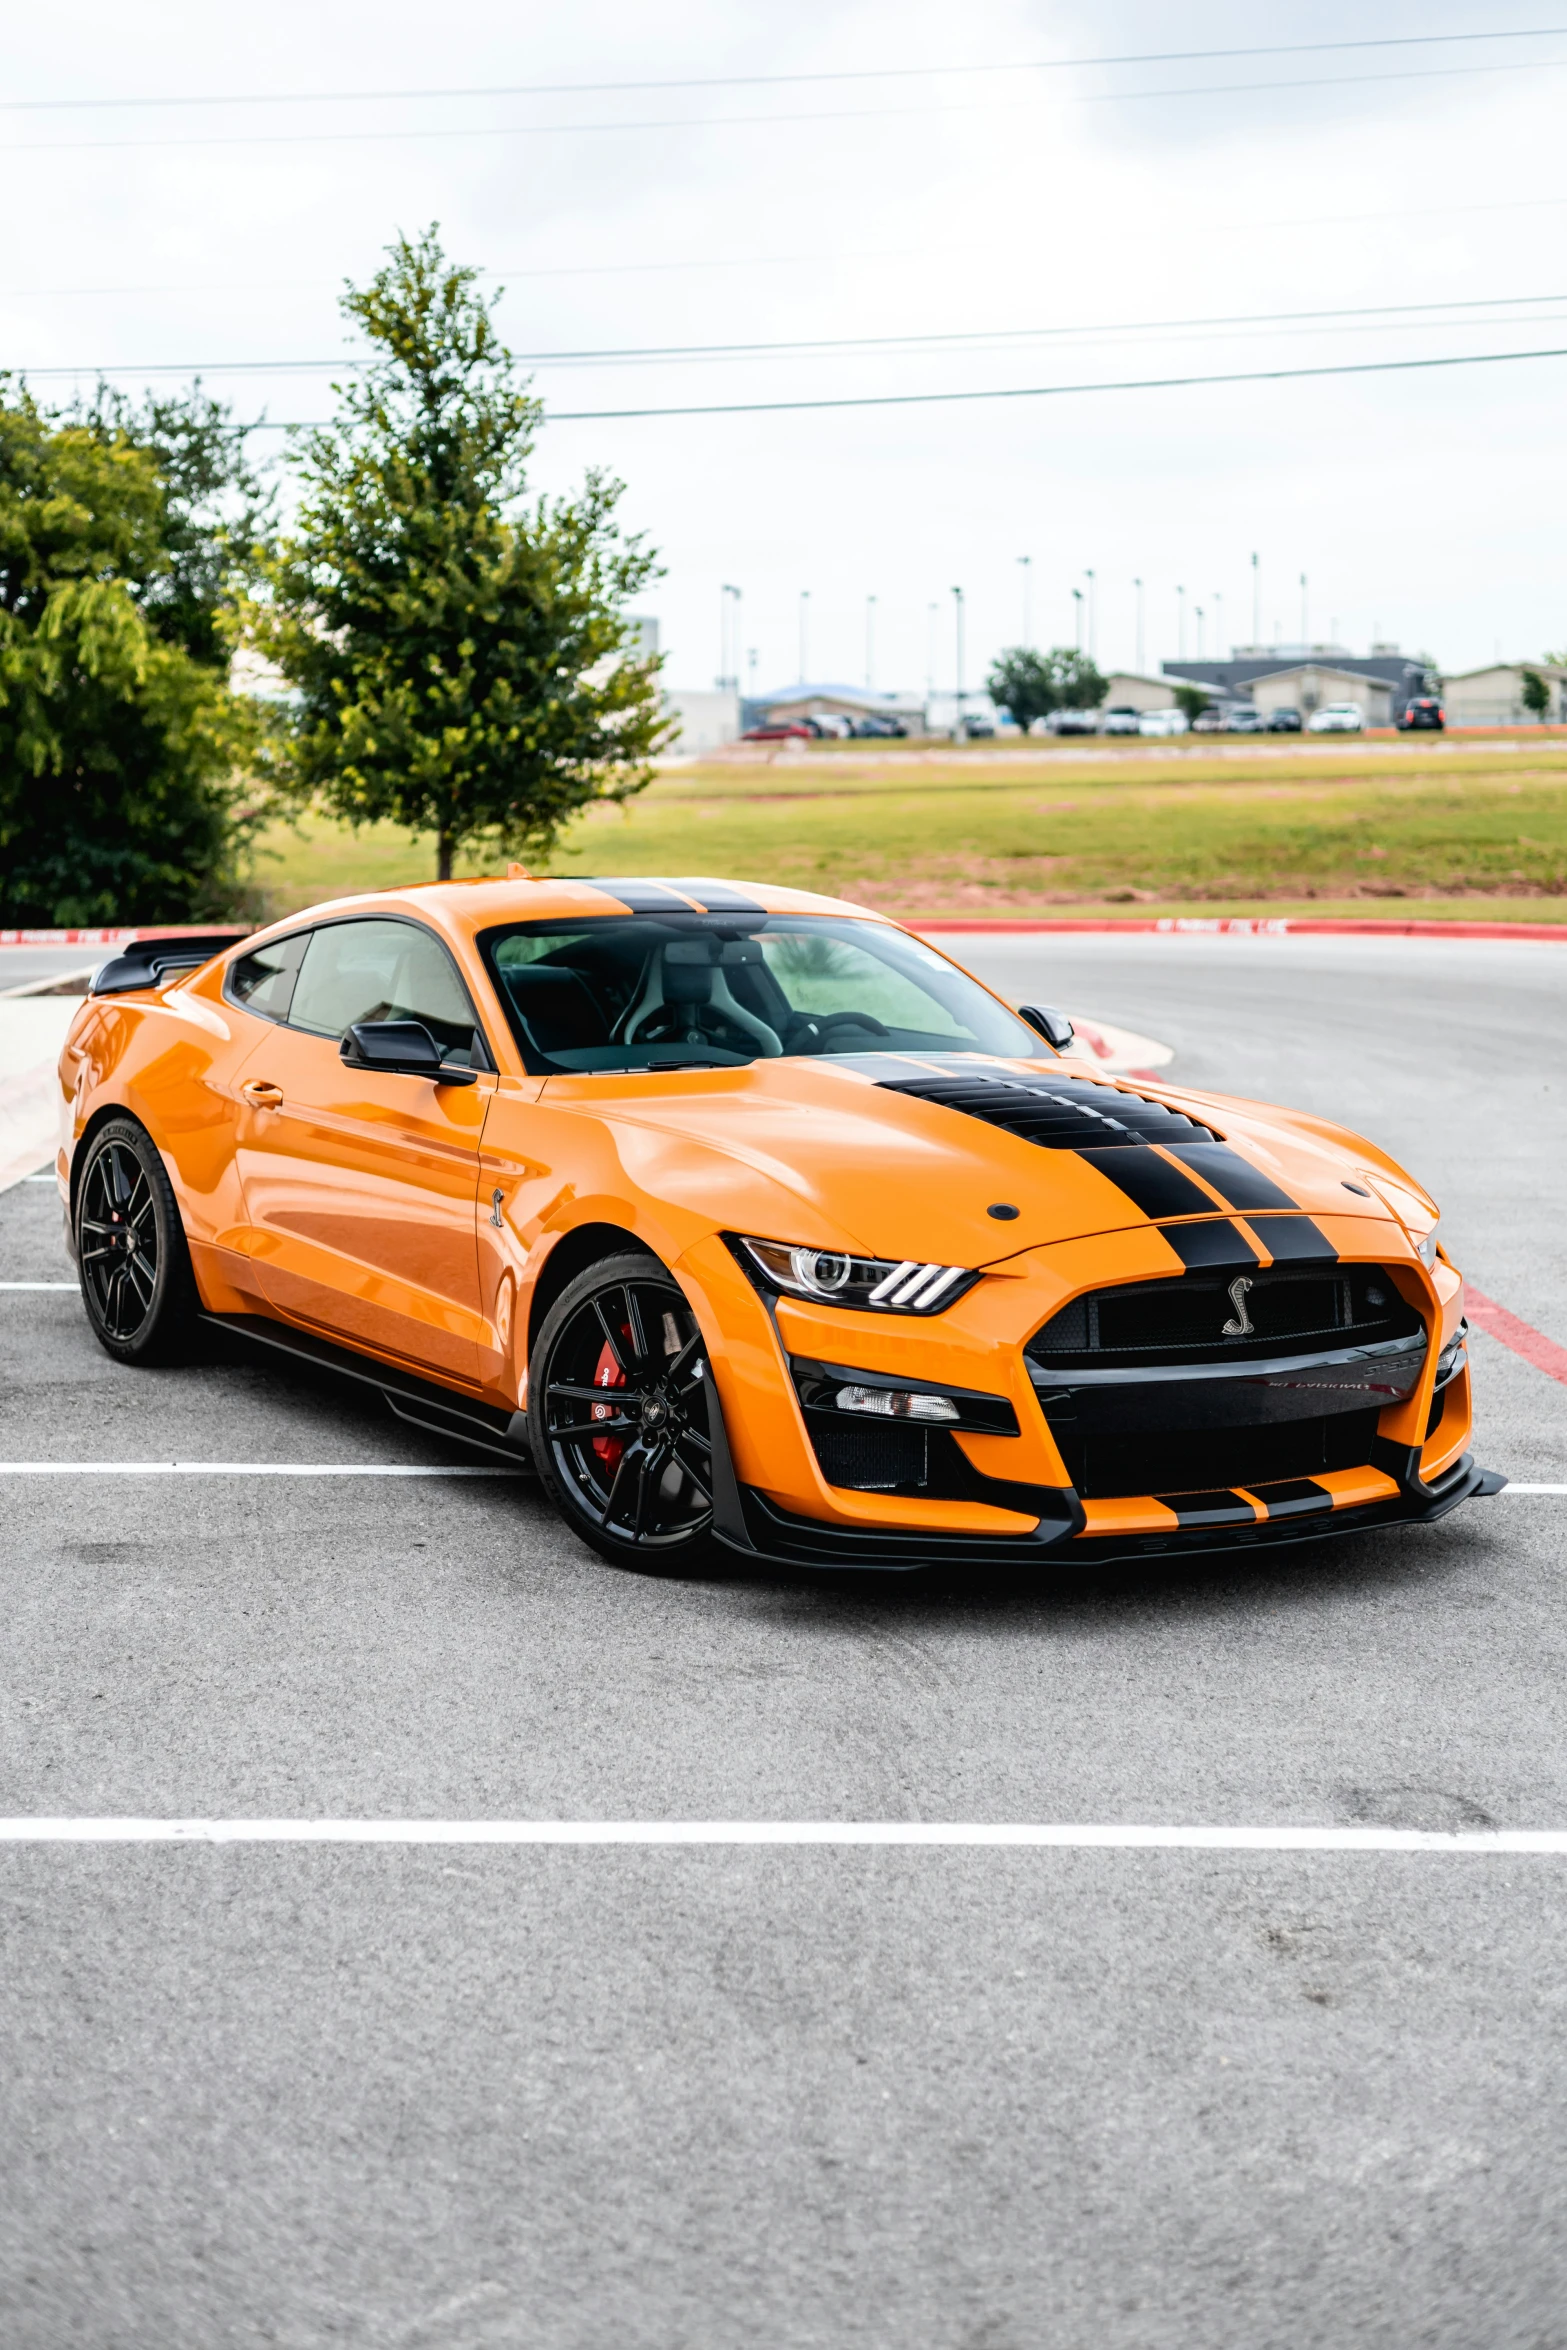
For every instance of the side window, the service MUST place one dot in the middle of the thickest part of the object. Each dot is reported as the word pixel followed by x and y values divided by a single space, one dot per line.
pixel 382 971
pixel 264 981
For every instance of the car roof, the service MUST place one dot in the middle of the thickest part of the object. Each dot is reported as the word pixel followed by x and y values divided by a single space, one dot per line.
pixel 466 907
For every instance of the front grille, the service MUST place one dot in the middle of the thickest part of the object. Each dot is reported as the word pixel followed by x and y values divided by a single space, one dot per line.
pixel 1183 1318
pixel 1207 1460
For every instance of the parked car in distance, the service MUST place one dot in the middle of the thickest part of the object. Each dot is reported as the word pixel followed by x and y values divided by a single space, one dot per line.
pixel 1422 710
pixel 1120 718
pixel 1285 720
pixel 880 729
pixel 1245 718
pixel 783 732
pixel 1072 722
pixel 1163 722
pixel 1337 718
pixel 978 729
pixel 830 726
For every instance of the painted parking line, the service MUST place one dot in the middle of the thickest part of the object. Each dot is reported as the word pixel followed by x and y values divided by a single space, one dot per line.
pixel 979 1835
pixel 247 1469
pixel 72 1286
pixel 1500 1323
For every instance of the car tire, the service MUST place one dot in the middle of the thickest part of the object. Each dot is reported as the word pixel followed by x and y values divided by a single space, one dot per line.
pixel 132 1258
pixel 618 1417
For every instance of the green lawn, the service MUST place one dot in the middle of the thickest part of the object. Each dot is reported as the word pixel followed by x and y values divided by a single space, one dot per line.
pixel 930 831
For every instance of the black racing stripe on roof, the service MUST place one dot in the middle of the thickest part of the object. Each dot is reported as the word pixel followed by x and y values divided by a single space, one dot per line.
pixel 1215 1243
pixel 641 897
pixel 1234 1178
pixel 718 897
pixel 1149 1180
pixel 1209 1509
pixel 1293 1240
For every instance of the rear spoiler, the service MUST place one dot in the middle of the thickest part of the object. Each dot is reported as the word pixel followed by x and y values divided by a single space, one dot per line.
pixel 148 962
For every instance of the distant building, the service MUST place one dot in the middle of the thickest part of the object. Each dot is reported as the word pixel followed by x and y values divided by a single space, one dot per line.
pixel 835 701
pixel 706 719
pixel 1306 676
pixel 1494 696
pixel 1130 689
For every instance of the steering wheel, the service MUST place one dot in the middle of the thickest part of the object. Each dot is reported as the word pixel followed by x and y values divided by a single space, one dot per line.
pixel 827 1020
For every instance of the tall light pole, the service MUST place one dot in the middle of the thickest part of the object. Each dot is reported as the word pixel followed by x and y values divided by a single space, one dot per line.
pixel 870 644
pixel 1027 562
pixel 1305 631
pixel 805 616
pixel 1077 600
pixel 1137 583
pixel 729 638
pixel 1256 603
pixel 1218 624
pixel 1197 608
pixel 957 719
pixel 1093 619
pixel 1180 626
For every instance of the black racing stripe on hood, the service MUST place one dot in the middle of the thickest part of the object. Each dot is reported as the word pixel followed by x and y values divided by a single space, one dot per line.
pixel 1293 1240
pixel 1236 1180
pixel 1149 1181
pixel 1058 1113
pixel 1215 1243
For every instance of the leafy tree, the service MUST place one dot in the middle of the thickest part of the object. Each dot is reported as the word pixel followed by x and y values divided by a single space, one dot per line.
pixel 1029 685
pixel 461 660
pixel 120 742
pixel 1192 701
pixel 1536 694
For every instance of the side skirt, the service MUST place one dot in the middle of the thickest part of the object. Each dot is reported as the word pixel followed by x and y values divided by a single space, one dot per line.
pixel 483 1427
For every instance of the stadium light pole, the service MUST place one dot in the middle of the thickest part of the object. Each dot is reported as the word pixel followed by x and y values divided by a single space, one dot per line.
pixel 957 708
pixel 729 634
pixel 1027 562
pixel 1305 630
pixel 1077 603
pixel 1180 626
pixel 1197 609
pixel 1137 583
pixel 1256 601
pixel 1093 619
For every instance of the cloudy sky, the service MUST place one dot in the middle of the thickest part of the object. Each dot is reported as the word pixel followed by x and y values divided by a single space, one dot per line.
pixel 930 199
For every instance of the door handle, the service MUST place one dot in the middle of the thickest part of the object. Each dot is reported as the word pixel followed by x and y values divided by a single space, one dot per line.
pixel 261 1095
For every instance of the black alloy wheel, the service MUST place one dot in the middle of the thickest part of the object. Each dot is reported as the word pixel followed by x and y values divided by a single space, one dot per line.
pixel 131 1256
pixel 618 1416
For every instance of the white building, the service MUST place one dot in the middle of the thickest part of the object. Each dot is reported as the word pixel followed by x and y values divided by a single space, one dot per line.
pixel 706 720
pixel 1493 696
pixel 1130 689
pixel 840 701
pixel 1314 683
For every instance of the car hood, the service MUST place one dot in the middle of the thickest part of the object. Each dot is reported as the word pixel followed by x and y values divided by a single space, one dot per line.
pixel 908 1173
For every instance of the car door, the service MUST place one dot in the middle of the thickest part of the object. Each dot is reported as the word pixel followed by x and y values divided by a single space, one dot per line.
pixel 360 1184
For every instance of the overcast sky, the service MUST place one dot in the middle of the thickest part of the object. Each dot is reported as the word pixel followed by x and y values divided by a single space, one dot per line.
pixel 1061 209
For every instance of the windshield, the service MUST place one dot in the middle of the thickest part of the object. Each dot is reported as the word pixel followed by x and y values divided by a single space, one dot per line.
pixel 658 992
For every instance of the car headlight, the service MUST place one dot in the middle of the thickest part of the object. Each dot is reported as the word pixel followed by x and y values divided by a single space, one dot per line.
pixel 878 1285
pixel 1425 1248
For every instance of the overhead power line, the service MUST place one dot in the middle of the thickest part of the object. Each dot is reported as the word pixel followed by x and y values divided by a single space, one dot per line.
pixel 1153 383
pixel 753 81
pixel 905 342
pixel 708 122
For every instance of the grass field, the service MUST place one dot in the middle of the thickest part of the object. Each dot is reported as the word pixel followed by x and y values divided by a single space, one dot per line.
pixel 1428 826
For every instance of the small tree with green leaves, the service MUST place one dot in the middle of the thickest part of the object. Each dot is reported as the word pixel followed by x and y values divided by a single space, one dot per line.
pixel 1030 685
pixel 460 660
pixel 1536 695
pixel 1191 701
pixel 122 750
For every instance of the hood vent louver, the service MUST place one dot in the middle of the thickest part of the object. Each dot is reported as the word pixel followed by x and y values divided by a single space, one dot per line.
pixel 1057 1113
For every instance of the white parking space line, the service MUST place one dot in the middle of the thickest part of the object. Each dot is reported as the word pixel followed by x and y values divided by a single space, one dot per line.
pixel 1511 1488
pixel 70 1285
pixel 246 1469
pixel 931 1834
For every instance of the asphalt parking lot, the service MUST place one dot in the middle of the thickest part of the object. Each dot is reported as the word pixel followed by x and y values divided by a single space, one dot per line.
pixel 963 2099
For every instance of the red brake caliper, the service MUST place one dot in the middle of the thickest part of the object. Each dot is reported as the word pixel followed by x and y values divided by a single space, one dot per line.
pixel 608 1373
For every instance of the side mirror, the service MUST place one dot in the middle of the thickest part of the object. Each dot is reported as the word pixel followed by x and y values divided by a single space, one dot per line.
pixel 401 1048
pixel 1053 1026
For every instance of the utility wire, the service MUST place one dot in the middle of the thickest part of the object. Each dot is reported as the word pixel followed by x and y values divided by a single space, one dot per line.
pixel 751 81
pixel 1157 383
pixel 684 122
pixel 676 351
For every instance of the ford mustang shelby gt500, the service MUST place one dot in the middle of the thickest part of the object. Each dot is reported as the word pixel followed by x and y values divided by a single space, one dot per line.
pixel 754 1221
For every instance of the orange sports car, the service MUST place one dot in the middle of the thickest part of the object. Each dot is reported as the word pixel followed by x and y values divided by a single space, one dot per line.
pixel 752 1220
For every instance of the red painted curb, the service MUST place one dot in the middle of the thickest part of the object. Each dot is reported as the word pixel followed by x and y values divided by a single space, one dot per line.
pixel 102 938
pixel 1533 1345
pixel 1250 926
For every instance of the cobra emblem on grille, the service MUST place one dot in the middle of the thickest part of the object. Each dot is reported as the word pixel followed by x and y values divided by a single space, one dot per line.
pixel 1240 1324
